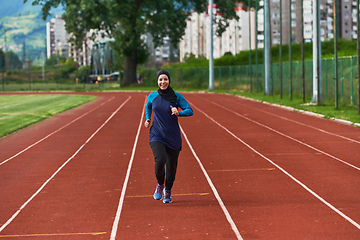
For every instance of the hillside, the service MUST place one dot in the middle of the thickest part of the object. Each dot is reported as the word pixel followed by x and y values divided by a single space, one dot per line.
pixel 23 22
pixel 10 8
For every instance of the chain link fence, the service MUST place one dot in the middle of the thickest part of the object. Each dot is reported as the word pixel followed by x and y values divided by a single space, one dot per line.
pixel 225 78
pixel 239 78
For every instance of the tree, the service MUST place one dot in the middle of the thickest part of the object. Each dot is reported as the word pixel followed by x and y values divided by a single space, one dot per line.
pixel 126 21
pixel 55 59
pixel 12 61
pixel 2 61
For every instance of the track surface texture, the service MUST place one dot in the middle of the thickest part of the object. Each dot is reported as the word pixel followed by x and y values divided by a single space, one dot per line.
pixel 247 170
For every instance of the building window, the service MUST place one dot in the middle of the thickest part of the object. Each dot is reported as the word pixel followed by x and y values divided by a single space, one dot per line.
pixel 276 41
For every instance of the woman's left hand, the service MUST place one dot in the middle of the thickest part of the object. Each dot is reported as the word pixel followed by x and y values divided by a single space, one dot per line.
pixel 174 111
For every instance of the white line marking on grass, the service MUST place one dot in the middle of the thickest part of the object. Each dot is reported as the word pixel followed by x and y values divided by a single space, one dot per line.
pixel 13 105
pixel 60 168
pixel 32 145
pixel 122 196
pixel 221 203
pixel 294 139
pixel 283 170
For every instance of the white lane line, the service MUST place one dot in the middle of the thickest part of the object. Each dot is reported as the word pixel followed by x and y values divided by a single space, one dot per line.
pixel 122 196
pixel 60 168
pixel 357 225
pixel 290 120
pixel 221 203
pixel 32 145
pixel 318 129
pixel 294 139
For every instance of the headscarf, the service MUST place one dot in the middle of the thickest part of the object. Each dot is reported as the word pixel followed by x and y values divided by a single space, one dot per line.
pixel 168 94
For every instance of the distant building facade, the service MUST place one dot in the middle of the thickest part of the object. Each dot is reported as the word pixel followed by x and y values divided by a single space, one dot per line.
pixel 346 20
pixel 56 37
pixel 57 42
pixel 161 54
pixel 235 38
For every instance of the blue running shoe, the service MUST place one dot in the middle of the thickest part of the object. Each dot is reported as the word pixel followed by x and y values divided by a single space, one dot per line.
pixel 167 196
pixel 158 192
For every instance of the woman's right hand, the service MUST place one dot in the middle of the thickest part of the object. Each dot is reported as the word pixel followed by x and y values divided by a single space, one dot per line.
pixel 147 123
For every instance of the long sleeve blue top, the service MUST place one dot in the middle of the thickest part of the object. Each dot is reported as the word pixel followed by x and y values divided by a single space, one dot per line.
pixel 165 127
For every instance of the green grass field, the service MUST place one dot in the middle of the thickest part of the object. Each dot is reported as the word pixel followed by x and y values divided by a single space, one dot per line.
pixel 20 111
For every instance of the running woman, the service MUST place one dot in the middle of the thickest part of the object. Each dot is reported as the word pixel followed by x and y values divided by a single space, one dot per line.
pixel 164 135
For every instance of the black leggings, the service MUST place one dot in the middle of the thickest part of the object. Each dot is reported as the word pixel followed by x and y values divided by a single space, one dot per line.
pixel 165 156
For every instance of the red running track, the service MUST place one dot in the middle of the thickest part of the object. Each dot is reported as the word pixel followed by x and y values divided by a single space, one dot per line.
pixel 247 170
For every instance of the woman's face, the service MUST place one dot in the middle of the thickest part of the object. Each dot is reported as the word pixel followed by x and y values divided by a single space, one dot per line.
pixel 163 82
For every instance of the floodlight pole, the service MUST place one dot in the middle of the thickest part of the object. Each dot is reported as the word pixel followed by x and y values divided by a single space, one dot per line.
pixel 250 47
pixel 290 54
pixel 267 48
pixel 256 45
pixel 280 53
pixel 317 53
pixel 302 51
pixel 358 52
pixel 336 56
pixel 211 60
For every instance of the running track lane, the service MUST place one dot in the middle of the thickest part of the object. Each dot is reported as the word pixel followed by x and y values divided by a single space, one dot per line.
pixel 263 202
pixel 77 194
pixel 280 206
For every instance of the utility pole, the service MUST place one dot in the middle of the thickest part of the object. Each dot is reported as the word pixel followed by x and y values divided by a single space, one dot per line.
pixel 24 55
pixel 2 80
pixel 5 64
pixel 43 65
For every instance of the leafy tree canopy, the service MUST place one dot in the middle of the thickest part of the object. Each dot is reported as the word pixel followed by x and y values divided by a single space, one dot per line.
pixel 55 59
pixel 127 20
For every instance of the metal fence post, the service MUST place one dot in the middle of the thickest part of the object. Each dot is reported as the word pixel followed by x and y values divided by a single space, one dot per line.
pixel 2 79
pixel 230 76
pixel 342 79
pixel 351 82
pixel 326 79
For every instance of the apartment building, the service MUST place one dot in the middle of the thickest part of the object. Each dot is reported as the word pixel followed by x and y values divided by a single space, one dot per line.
pixel 160 54
pixel 56 37
pixel 291 14
pixel 236 37
pixel 196 39
pixel 83 55
pixel 80 55
pixel 57 43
